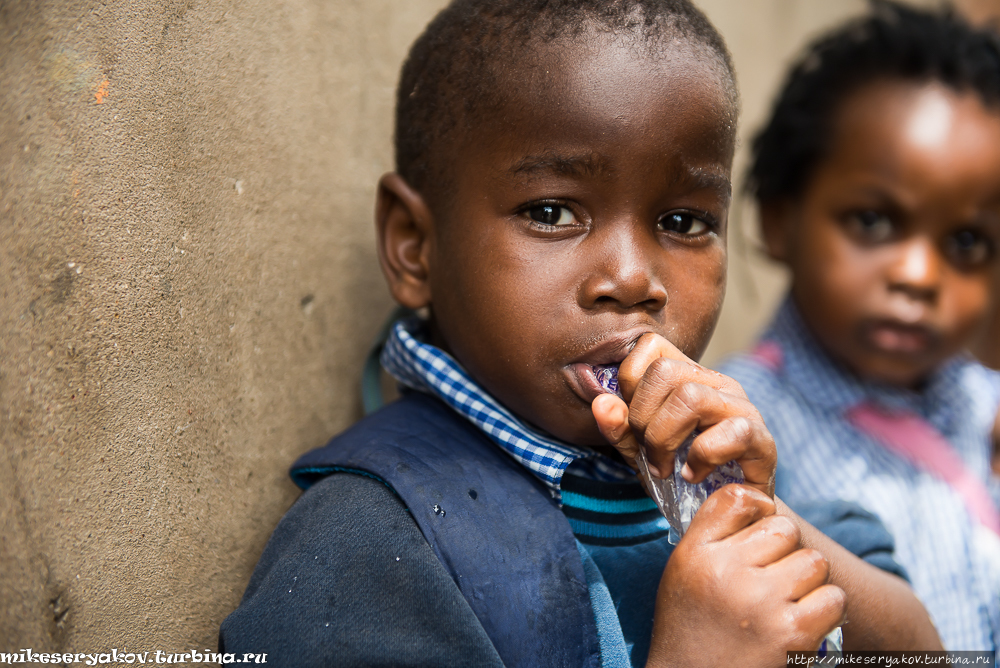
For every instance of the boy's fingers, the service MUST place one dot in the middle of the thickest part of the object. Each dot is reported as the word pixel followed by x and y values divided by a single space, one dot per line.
pixel 726 512
pixel 821 611
pixel 668 406
pixel 767 541
pixel 746 441
pixel 647 350
pixel 672 366
pixel 733 430
pixel 803 571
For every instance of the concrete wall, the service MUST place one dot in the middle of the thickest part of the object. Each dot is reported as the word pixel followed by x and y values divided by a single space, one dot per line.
pixel 188 284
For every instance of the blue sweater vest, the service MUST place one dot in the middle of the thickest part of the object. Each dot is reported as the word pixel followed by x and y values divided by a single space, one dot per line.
pixel 493 525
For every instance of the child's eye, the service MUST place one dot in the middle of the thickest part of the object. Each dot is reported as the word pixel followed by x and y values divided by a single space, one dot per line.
pixel 968 248
pixel 551 214
pixel 871 226
pixel 682 223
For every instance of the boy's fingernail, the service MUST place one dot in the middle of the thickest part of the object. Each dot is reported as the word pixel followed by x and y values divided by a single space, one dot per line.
pixel 653 471
pixel 687 473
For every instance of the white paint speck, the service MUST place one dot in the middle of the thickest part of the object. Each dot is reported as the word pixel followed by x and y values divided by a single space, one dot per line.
pixel 239 187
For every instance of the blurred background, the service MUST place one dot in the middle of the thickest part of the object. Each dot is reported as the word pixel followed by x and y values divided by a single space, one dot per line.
pixel 188 283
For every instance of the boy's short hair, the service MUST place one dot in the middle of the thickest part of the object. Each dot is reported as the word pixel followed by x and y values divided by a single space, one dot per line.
pixel 460 69
pixel 893 42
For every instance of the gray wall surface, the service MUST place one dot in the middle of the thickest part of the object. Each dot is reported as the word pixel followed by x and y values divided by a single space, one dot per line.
pixel 188 285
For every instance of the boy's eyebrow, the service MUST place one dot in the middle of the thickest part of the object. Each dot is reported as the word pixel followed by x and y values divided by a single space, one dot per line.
pixel 591 164
pixel 594 164
pixel 709 180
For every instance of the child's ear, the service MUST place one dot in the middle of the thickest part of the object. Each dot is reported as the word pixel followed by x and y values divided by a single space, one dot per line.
pixel 404 226
pixel 776 221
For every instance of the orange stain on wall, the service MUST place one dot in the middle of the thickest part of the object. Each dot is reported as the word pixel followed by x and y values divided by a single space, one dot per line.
pixel 102 92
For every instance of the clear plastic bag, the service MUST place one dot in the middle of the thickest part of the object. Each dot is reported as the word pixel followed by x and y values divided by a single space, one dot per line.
pixel 677 499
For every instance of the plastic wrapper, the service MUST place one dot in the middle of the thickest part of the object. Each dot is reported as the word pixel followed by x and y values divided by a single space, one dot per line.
pixel 677 499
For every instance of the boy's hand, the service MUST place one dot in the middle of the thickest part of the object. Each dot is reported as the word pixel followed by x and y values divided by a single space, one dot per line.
pixel 738 591
pixel 669 396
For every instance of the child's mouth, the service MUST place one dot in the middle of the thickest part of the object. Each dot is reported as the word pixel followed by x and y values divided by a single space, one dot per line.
pixel 894 338
pixel 590 381
pixel 596 372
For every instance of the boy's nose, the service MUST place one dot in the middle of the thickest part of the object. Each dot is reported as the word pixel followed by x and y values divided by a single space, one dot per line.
pixel 916 269
pixel 625 274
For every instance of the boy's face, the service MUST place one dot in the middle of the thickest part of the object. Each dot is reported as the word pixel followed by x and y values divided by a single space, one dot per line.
pixel 893 244
pixel 590 211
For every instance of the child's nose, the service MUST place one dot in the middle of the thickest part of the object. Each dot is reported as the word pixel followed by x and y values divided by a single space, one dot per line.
pixel 625 272
pixel 916 269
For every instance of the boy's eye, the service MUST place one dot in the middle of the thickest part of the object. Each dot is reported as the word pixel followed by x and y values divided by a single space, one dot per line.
pixel 682 223
pixel 551 214
pixel 871 226
pixel 968 248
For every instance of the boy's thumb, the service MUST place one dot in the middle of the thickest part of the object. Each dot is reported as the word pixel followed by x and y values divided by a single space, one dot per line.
pixel 611 414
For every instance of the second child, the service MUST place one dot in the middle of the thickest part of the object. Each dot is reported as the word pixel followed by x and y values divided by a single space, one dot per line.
pixel 878 178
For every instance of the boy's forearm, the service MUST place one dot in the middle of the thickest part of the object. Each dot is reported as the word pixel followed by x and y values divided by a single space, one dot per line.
pixel 882 611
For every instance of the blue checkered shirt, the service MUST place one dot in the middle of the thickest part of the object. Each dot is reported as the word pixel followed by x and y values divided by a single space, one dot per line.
pixel 953 565
pixel 425 368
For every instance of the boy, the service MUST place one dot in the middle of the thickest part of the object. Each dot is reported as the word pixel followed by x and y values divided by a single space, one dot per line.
pixel 560 203
pixel 878 178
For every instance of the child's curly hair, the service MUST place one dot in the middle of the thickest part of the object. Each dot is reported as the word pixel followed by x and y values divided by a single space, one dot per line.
pixel 893 42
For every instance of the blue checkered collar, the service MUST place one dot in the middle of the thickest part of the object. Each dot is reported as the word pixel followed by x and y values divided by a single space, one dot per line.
pixel 425 368
pixel 825 382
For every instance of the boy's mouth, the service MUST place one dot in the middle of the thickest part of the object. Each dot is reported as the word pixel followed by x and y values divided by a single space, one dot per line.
pixel 596 373
pixel 898 338
pixel 586 381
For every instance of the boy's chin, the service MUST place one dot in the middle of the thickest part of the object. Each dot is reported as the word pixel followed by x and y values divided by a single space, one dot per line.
pixel 579 433
pixel 894 370
pixel 595 442
pixel 606 450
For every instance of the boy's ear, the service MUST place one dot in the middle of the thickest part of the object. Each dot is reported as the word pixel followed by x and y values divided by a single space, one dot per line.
pixel 404 226
pixel 776 221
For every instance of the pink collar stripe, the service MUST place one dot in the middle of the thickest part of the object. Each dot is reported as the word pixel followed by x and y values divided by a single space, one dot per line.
pixel 914 439
pixel 770 355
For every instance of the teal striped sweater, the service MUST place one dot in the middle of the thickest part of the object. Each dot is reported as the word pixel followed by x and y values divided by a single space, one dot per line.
pixel 625 535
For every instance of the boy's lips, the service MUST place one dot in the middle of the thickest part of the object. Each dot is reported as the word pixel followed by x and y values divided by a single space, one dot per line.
pixel 611 351
pixel 583 381
pixel 897 338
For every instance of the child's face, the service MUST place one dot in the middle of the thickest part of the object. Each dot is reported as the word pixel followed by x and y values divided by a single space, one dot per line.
pixel 893 244
pixel 590 211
